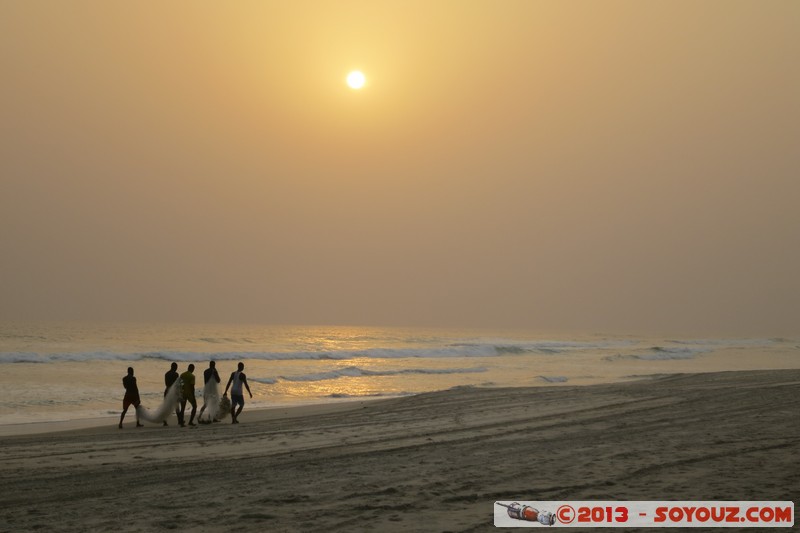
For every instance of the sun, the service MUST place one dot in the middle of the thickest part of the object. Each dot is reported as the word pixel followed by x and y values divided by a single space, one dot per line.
pixel 356 79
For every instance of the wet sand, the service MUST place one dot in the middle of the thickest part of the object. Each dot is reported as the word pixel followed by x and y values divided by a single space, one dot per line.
pixel 432 462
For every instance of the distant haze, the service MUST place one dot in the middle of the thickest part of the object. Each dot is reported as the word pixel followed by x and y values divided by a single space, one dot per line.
pixel 619 166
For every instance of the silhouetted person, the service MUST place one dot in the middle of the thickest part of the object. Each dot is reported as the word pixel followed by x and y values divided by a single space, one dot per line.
pixel 169 379
pixel 237 397
pixel 131 397
pixel 187 395
pixel 209 374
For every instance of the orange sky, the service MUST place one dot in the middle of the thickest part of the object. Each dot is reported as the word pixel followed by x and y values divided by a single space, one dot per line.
pixel 617 166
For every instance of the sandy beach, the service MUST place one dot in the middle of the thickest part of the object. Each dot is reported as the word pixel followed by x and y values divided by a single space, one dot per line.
pixel 432 462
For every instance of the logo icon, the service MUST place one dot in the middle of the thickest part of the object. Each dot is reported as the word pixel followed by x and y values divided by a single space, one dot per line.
pixel 565 514
pixel 529 514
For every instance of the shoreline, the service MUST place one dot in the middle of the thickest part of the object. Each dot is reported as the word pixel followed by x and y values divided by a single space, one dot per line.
pixel 72 393
pixel 308 408
pixel 312 407
pixel 260 414
pixel 431 462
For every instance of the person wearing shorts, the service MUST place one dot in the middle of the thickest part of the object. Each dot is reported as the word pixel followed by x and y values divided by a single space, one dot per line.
pixel 131 397
pixel 187 395
pixel 237 397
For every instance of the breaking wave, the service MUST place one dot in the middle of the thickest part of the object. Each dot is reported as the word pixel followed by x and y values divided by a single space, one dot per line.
pixel 672 349
pixel 660 353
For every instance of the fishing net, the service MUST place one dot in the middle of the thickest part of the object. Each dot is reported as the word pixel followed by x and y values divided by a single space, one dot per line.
pixel 213 408
pixel 167 407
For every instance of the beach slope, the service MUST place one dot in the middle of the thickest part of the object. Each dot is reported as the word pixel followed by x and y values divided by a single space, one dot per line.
pixel 432 462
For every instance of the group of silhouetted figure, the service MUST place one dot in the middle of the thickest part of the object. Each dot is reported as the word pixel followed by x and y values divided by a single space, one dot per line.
pixel 183 393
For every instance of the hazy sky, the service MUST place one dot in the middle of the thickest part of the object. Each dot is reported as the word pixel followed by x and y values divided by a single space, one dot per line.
pixel 614 166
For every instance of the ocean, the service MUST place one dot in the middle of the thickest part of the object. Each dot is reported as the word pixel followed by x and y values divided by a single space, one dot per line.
pixel 63 372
